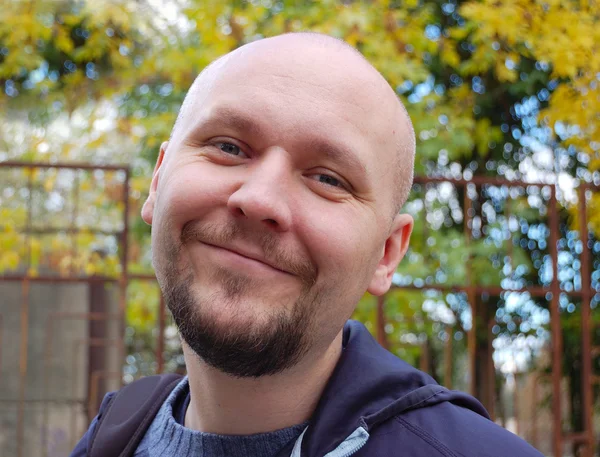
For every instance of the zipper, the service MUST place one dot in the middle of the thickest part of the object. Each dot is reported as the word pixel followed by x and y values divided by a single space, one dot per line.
pixel 356 449
pixel 357 439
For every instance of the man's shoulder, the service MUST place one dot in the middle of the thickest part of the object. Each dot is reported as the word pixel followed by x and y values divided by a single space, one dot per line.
pixel 82 448
pixel 124 416
pixel 445 430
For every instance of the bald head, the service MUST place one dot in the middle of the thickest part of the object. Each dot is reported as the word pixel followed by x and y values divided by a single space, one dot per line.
pixel 383 113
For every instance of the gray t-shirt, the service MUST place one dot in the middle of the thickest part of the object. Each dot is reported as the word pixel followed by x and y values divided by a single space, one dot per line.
pixel 167 436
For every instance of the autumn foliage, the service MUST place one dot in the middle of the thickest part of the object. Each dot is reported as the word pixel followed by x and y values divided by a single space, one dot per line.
pixel 505 88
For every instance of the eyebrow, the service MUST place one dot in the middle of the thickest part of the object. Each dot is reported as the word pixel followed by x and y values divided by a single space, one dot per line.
pixel 230 117
pixel 338 153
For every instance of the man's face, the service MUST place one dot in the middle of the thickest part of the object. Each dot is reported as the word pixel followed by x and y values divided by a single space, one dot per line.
pixel 271 208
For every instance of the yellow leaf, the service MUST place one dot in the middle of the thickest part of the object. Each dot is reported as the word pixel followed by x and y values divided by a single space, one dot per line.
pixel 90 269
pixel 504 74
pixel 49 184
pixel 70 19
pixel 94 144
pixel 62 41
pixel 86 185
pixel 35 252
pixel 449 55
pixel 11 260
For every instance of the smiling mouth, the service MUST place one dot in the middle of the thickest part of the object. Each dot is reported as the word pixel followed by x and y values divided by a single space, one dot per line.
pixel 247 258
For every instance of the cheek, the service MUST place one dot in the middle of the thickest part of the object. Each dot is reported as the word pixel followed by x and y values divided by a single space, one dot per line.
pixel 344 246
pixel 189 192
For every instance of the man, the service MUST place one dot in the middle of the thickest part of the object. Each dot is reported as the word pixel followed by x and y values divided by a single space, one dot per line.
pixel 274 207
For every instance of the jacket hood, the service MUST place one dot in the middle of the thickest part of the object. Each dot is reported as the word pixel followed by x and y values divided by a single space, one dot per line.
pixel 369 386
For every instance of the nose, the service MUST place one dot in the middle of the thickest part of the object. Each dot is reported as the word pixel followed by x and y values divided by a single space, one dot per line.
pixel 263 195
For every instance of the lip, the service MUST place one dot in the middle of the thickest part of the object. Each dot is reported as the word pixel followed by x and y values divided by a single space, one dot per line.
pixel 248 255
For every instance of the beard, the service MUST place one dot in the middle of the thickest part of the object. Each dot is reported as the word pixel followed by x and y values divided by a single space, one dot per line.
pixel 260 346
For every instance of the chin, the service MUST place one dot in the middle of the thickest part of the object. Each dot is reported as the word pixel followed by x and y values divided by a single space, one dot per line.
pixel 237 337
pixel 246 312
pixel 239 325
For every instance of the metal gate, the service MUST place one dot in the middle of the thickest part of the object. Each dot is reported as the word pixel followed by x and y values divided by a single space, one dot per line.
pixel 82 340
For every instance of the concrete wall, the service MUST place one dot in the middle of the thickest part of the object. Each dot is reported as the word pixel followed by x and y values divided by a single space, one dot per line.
pixel 56 382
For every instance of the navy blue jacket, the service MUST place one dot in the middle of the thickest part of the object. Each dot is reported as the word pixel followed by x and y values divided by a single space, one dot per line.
pixel 376 405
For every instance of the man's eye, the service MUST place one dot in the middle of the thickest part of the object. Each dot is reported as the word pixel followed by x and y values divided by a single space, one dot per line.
pixel 330 180
pixel 230 148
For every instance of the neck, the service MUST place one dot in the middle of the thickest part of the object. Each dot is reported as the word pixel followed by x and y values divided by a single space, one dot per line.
pixel 226 405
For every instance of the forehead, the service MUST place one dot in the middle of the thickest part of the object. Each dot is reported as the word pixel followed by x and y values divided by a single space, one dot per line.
pixel 305 83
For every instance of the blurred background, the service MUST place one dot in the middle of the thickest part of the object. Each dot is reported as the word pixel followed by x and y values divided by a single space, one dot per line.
pixel 498 294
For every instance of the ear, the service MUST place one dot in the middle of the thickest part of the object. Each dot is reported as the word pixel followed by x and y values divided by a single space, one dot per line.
pixel 148 208
pixel 394 250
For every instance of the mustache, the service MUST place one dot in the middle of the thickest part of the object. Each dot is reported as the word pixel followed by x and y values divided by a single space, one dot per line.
pixel 269 243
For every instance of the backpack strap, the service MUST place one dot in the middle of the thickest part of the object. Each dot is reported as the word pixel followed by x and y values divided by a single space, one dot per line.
pixel 129 414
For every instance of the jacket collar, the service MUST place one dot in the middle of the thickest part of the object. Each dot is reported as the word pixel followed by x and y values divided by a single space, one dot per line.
pixel 366 380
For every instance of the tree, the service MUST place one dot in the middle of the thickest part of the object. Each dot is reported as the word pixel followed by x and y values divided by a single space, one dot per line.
pixel 494 88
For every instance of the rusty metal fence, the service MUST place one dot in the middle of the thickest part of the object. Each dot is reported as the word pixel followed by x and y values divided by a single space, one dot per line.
pixel 585 437
pixel 82 338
